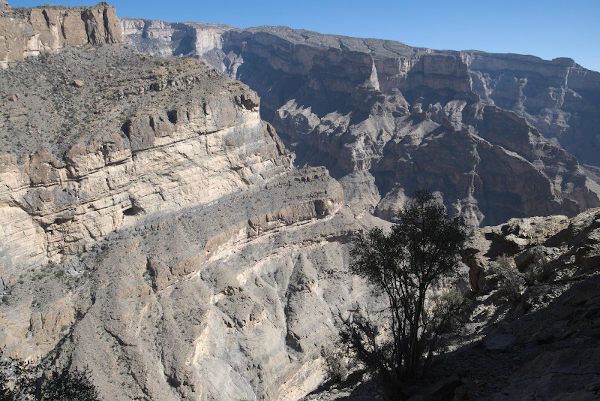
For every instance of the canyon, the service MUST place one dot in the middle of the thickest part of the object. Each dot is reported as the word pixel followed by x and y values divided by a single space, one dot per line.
pixel 180 226
pixel 387 119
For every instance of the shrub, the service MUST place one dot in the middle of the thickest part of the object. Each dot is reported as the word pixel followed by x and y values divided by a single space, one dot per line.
pixel 69 385
pixel 510 282
pixel 405 265
pixel 336 364
pixel 448 310
pixel 22 381
pixel 536 273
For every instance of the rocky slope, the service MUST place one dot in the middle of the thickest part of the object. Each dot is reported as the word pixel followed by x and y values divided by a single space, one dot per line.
pixel 26 32
pixel 110 146
pixel 155 231
pixel 540 327
pixel 532 326
pixel 386 118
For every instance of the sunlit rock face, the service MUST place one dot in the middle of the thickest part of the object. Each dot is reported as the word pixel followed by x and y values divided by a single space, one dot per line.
pixel 388 119
pixel 558 97
pixel 26 32
pixel 156 230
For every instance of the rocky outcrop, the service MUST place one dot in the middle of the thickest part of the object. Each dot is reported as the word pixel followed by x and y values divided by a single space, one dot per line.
pixel 166 39
pixel 140 151
pixel 233 300
pixel 531 322
pixel 545 337
pixel 156 232
pixel 565 248
pixel 387 119
pixel 47 29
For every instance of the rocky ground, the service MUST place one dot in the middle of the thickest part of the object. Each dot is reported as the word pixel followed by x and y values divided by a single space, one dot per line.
pixel 533 325
pixel 156 232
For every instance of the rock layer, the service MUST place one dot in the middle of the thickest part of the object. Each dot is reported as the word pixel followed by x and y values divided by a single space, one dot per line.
pixel 156 232
pixel 137 148
pixel 558 97
pixel 47 29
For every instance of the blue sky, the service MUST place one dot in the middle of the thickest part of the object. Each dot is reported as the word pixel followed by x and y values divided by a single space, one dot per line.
pixel 546 28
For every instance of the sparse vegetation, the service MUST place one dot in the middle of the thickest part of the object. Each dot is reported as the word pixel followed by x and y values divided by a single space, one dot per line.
pixel 510 282
pixel 336 364
pixel 69 385
pixel 20 381
pixel 536 272
pixel 405 265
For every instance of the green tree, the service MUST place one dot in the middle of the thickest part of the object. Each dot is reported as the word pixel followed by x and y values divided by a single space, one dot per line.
pixel 405 265
pixel 69 385
pixel 20 381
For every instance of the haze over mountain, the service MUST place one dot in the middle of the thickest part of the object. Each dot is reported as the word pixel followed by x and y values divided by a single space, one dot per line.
pixel 178 201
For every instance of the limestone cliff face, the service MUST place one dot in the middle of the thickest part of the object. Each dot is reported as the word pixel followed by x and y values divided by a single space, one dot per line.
pixel 46 29
pixel 232 300
pixel 155 231
pixel 558 97
pixel 387 119
pixel 141 154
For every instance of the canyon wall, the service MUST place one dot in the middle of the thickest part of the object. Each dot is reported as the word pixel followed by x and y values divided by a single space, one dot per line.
pixel 558 97
pixel 387 119
pixel 26 32
pixel 155 232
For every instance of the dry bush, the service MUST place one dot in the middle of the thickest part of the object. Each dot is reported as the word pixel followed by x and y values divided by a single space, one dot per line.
pixel 336 363
pixel 511 283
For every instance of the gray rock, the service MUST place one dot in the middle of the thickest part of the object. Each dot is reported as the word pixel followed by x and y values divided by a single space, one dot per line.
pixel 156 232
pixel 47 29
pixel 500 342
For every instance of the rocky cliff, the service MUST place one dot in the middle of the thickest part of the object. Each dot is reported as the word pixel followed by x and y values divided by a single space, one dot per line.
pixel 386 118
pixel 155 231
pixel 26 32
pixel 110 147
pixel 558 97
